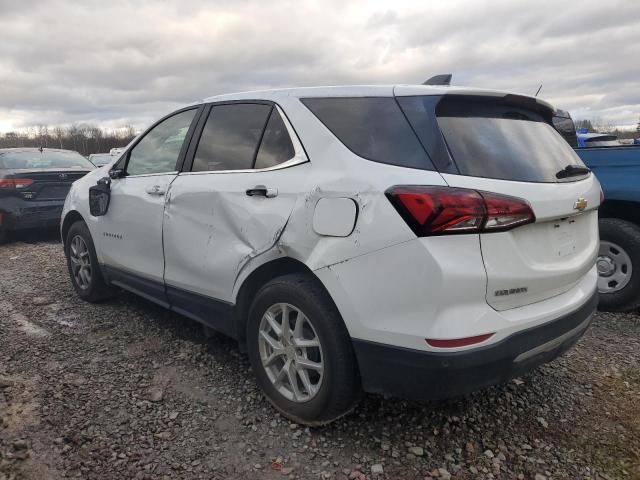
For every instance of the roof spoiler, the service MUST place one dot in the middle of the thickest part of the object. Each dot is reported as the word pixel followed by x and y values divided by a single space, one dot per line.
pixel 442 79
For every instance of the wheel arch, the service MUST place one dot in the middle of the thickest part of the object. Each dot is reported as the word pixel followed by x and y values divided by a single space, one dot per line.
pixel 70 218
pixel 259 277
pixel 624 210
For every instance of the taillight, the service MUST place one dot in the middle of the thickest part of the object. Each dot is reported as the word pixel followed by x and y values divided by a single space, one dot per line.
pixel 433 210
pixel 15 182
pixel 504 212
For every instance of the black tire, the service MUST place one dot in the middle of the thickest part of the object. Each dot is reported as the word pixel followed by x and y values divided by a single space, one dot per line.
pixel 4 235
pixel 340 388
pixel 98 289
pixel 627 236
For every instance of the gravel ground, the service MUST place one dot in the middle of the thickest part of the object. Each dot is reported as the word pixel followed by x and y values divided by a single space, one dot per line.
pixel 125 389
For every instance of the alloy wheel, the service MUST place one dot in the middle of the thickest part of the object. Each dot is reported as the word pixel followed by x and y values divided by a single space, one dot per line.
pixel 291 352
pixel 80 262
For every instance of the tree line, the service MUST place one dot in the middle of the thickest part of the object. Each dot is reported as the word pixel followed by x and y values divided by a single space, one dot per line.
pixel 83 138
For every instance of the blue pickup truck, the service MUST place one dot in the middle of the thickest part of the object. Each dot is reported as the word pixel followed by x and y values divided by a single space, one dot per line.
pixel 618 169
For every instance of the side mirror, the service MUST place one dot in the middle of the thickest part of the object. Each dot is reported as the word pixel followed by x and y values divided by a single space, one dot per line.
pixel 99 197
pixel 116 173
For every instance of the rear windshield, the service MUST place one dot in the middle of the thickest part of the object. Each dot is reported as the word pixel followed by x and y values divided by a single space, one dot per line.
pixel 44 159
pixel 373 128
pixel 495 140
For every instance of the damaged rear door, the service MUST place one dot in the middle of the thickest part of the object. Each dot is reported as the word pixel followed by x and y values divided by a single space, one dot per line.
pixel 230 206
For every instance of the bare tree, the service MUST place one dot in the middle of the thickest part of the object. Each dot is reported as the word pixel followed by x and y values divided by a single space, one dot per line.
pixel 58 133
pixel 83 138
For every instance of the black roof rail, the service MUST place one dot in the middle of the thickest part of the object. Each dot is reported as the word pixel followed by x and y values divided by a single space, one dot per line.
pixel 442 79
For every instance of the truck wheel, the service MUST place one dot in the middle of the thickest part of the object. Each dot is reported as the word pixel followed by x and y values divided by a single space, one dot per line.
pixel 3 235
pixel 83 265
pixel 619 265
pixel 301 352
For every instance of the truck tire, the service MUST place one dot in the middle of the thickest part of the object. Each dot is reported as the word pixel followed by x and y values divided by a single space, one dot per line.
pixel 3 235
pixel 619 265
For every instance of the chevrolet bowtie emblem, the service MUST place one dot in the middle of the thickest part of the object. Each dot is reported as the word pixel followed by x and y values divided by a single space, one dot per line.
pixel 580 204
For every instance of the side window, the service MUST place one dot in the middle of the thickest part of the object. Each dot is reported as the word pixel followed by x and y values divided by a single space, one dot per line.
pixel 159 149
pixel 373 128
pixel 230 137
pixel 276 146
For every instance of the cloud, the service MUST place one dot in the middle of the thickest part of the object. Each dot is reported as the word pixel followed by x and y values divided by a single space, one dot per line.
pixel 131 61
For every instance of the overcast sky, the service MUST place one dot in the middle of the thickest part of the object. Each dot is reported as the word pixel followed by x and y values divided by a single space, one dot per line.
pixel 114 62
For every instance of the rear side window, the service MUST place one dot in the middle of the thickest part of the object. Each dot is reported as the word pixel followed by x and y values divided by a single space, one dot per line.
pixel 276 146
pixel 492 139
pixel 373 128
pixel 230 137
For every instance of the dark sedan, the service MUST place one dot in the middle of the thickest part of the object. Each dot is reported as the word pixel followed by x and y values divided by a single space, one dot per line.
pixel 33 185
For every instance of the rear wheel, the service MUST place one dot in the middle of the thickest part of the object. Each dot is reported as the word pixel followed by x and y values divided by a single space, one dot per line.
pixel 301 351
pixel 3 235
pixel 83 266
pixel 619 265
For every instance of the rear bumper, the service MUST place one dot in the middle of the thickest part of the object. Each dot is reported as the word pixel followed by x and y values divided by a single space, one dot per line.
pixel 18 214
pixel 421 375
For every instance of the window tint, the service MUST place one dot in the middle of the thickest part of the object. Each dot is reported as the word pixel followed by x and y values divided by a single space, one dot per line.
pixel 159 149
pixel 493 140
pixel 373 128
pixel 230 137
pixel 276 146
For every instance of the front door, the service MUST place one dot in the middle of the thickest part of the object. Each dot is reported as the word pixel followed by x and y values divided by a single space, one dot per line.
pixel 130 234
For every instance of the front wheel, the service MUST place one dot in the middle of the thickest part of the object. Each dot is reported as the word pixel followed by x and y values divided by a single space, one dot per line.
pixel 83 266
pixel 301 351
pixel 619 265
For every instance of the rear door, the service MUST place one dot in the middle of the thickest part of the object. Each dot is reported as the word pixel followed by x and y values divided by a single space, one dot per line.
pixel 507 145
pixel 229 206
pixel 129 236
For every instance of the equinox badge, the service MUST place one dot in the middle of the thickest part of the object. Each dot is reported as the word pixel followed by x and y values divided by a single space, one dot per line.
pixel 581 204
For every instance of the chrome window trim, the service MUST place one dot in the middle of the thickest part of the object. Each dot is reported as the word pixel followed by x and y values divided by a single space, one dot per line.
pixel 300 156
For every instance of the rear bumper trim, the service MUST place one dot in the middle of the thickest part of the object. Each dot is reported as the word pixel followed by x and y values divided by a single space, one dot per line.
pixel 421 375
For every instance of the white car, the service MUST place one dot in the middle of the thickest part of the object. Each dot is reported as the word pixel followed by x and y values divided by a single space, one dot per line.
pixel 405 240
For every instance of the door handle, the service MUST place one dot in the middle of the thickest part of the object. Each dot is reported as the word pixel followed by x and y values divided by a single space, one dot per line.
pixel 155 190
pixel 262 191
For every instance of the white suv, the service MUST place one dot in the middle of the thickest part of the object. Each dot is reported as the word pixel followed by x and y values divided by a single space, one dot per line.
pixel 404 240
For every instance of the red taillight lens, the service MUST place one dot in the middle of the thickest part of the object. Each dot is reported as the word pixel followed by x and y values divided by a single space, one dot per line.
pixel 432 210
pixel 15 182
